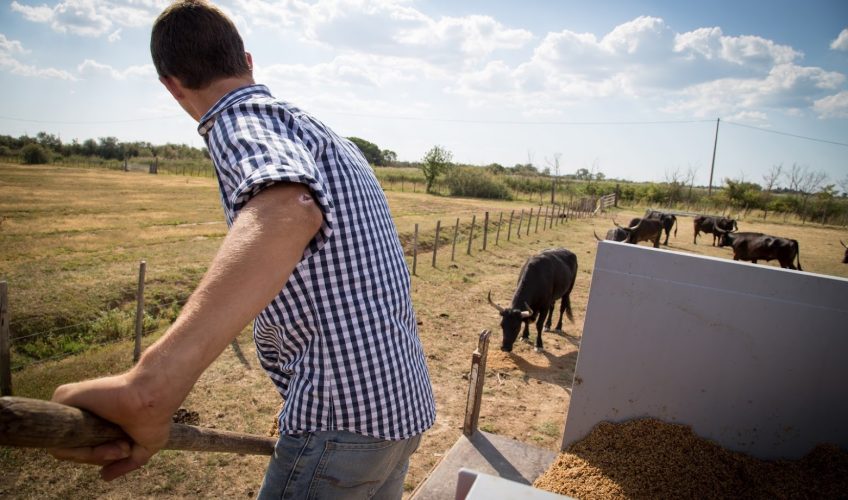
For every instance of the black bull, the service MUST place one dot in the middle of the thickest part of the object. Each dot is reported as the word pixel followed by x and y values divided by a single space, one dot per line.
pixel 668 221
pixel 642 230
pixel 545 278
pixel 758 246
pixel 845 259
pixel 712 225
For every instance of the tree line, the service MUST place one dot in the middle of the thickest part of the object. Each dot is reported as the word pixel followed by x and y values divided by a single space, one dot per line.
pixel 796 189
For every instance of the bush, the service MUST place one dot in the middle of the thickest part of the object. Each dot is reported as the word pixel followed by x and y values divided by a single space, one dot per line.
pixel 476 183
pixel 35 154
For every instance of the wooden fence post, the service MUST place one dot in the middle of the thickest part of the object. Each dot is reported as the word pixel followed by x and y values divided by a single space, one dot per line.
pixel 529 220
pixel 498 234
pixel 520 220
pixel 436 241
pixel 455 234
pixel 139 311
pixel 471 234
pixel 547 220
pixel 415 251
pixel 538 216
pixel 485 230
pixel 5 343
pixel 509 229
pixel 475 384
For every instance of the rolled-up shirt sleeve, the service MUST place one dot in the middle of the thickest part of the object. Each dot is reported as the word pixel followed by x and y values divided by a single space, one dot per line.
pixel 254 156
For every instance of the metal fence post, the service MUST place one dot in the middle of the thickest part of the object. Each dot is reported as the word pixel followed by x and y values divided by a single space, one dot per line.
pixel 139 311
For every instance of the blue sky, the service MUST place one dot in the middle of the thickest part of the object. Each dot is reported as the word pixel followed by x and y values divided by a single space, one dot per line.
pixel 628 88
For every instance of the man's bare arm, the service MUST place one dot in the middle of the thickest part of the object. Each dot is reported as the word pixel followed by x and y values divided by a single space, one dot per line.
pixel 258 255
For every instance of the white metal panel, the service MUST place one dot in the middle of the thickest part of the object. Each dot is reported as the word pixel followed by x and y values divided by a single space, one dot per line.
pixel 753 357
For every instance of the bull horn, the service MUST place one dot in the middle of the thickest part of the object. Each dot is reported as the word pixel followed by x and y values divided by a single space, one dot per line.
pixel 843 244
pixel 528 313
pixel 616 224
pixel 599 239
pixel 499 308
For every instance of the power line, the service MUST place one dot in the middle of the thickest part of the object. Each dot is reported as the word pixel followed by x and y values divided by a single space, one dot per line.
pixel 515 122
pixel 89 122
pixel 761 129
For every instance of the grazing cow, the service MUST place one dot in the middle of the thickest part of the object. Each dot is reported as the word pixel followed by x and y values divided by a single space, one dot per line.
pixel 668 221
pixel 544 278
pixel 614 234
pixel 642 230
pixel 845 259
pixel 759 246
pixel 707 225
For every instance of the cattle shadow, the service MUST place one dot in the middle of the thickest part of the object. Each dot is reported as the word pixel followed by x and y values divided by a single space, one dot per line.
pixel 557 370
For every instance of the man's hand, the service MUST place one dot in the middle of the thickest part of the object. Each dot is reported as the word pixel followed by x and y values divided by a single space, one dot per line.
pixel 117 400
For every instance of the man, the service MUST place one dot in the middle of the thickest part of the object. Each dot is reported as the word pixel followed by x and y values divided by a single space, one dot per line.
pixel 313 255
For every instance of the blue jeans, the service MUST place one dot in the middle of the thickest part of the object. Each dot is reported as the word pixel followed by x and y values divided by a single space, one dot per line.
pixel 337 465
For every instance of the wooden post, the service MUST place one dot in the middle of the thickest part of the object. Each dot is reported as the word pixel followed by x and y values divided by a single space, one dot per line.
pixel 538 216
pixel 475 384
pixel 547 220
pixel 520 220
pixel 509 229
pixel 139 311
pixel 436 241
pixel 5 343
pixel 455 234
pixel 485 230
pixel 498 234
pixel 529 220
pixel 415 251
pixel 471 234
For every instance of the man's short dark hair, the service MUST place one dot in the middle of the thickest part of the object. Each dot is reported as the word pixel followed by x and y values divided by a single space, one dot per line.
pixel 195 42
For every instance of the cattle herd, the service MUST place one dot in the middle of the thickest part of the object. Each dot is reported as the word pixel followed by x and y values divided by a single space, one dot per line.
pixel 549 275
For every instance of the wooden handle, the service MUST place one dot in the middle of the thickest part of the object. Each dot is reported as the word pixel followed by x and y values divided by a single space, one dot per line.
pixel 33 423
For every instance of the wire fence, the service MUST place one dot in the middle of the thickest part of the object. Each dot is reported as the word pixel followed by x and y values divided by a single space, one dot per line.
pixel 516 224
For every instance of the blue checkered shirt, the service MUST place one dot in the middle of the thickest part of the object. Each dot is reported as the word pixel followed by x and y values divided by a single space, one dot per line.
pixel 340 341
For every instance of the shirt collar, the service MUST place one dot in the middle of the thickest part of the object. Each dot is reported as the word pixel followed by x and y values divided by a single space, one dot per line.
pixel 229 99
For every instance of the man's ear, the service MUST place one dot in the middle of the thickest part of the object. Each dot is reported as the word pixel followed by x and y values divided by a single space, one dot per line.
pixel 249 61
pixel 173 85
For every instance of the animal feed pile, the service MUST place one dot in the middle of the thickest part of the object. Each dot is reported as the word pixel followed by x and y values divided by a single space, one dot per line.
pixel 648 458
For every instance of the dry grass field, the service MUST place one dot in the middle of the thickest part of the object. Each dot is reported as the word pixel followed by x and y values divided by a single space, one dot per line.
pixel 72 239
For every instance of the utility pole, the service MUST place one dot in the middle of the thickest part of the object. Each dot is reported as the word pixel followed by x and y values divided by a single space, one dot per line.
pixel 712 165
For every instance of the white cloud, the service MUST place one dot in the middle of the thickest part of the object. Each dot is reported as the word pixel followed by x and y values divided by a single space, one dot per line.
pixel 8 46
pixel 833 106
pixel 701 72
pixel 18 68
pixel 115 36
pixel 387 28
pixel 91 68
pixel 841 41
pixel 90 18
